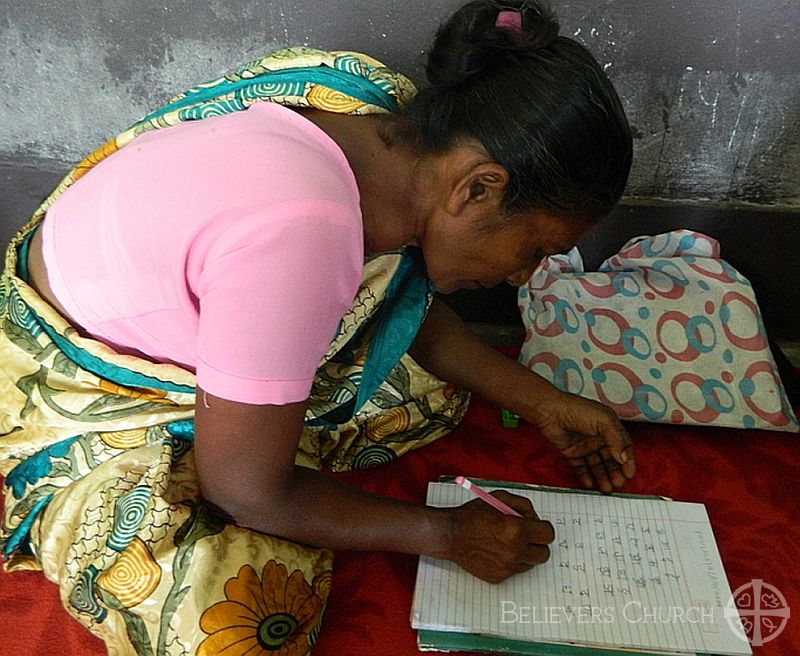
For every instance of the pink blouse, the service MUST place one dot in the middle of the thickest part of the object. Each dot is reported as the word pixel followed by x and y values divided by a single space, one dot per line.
pixel 231 246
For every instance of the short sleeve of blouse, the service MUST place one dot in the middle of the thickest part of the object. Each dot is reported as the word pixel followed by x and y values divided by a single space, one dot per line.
pixel 272 288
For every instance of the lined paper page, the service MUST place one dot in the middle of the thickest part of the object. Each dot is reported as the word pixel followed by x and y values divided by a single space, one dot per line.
pixel 635 573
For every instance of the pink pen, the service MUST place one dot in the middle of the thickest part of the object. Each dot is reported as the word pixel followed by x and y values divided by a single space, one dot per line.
pixel 494 502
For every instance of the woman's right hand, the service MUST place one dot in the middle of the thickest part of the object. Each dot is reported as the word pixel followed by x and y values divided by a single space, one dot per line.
pixel 245 455
pixel 493 546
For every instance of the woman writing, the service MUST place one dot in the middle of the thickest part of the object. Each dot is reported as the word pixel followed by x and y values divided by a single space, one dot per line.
pixel 238 291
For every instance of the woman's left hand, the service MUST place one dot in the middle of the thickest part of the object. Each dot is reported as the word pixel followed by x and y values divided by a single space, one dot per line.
pixel 591 438
pixel 586 432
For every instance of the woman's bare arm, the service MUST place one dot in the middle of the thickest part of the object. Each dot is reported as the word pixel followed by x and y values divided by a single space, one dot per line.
pixel 245 463
pixel 587 433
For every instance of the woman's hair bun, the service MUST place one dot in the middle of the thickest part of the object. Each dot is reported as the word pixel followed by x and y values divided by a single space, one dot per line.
pixel 538 103
pixel 470 42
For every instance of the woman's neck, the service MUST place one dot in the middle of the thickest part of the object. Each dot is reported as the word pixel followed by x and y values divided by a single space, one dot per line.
pixel 386 171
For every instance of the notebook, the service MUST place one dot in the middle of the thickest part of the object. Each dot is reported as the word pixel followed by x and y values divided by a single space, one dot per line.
pixel 626 573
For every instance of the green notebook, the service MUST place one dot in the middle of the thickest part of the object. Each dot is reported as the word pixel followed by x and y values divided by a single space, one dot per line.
pixel 451 641
pixel 626 574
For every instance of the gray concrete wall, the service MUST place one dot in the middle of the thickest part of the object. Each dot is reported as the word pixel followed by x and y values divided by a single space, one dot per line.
pixel 712 87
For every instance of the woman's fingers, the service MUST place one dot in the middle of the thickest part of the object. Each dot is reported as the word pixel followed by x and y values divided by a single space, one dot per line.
pixel 602 470
pixel 581 471
pixel 597 468
pixel 537 555
pixel 619 445
pixel 613 468
pixel 539 531
pixel 522 505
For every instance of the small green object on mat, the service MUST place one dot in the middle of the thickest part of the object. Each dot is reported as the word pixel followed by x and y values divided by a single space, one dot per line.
pixel 509 419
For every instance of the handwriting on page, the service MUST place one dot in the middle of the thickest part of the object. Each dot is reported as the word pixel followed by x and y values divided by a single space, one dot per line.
pixel 612 563
pixel 625 555
pixel 621 572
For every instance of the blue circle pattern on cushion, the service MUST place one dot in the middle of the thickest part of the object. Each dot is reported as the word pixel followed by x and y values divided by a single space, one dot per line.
pixel 692 329
pixel 560 376
pixel 619 282
pixel 643 394
pixel 565 312
pixel 629 337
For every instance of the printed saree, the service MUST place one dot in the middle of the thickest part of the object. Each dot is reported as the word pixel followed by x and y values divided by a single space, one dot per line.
pixel 96 447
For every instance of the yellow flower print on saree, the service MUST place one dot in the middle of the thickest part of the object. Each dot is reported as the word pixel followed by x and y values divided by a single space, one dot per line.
pixel 276 613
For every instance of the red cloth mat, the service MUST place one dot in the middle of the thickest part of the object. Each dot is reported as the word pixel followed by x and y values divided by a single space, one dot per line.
pixel 748 481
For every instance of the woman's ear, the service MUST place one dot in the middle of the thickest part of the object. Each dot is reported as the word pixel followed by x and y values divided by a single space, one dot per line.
pixel 481 184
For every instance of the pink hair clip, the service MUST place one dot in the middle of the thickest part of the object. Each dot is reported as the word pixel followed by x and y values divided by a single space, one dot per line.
pixel 510 20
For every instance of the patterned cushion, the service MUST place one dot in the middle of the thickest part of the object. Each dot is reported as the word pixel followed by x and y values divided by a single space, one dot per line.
pixel 665 331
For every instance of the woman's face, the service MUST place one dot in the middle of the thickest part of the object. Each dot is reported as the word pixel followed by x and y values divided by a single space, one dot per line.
pixel 468 252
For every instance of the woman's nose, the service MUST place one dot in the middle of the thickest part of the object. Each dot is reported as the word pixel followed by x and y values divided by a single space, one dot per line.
pixel 520 277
